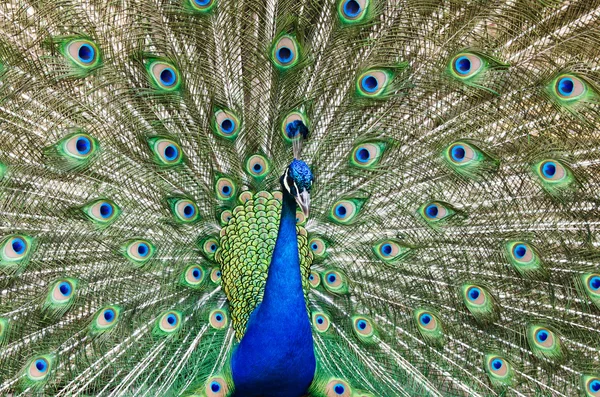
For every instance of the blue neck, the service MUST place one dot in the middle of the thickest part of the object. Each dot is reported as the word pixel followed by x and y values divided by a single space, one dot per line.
pixel 275 358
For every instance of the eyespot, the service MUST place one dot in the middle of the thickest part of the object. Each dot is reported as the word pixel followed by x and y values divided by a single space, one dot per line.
pixel 215 275
pixel 345 211
pixel 475 295
pixel 544 342
pixel 363 328
pixel 429 326
pixel 352 11
pixel 320 321
pixel 314 279
pixel 106 318
pixel 79 146
pixel 591 284
pixel 335 282
pixel 209 246
pixel 569 87
pixel 285 52
pixel 390 251
pixel 216 387
pixel 226 216
pixel 83 53
pixel 257 166
pixel 169 322
pixel 227 124
pixel 591 385
pixel 461 153
pixel 479 302
pixel 289 123
pixel 166 151
pixel 367 155
pixel 373 83
pixel 554 176
pixel 498 369
pixel 338 388
pixel 552 170
pixel 225 188
pixel 102 212
pixel 63 291
pixel 300 217
pixel 184 210
pixel 139 251
pixel 466 66
pixel 193 276
pixel 16 248
pixel 39 368
pixel 203 6
pixel 318 246
pixel 436 211
pixel 218 319
pixel 164 76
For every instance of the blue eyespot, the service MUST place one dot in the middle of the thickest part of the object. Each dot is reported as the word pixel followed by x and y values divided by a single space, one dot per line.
pixel 196 273
pixel 172 319
pixel 520 251
pixel 189 211
pixel 566 86
pixel 432 211
pixel 226 190
pixel 83 145
pixel 106 210
pixel 458 153
pixel 497 364
pixel 227 125
pixel 386 249
pixel 218 317
pixel 143 249
pixel 65 288
pixel 168 77
pixel 425 319
pixel 341 211
pixel 363 155
pixel 352 8
pixel 595 386
pixel 218 273
pixel 202 3
pixel 257 167
pixel 362 324
pixel 171 152
pixel 462 65
pixel 369 83
pixel 215 387
pixel 284 55
pixel 332 277
pixel 594 283
pixel 541 336
pixel 18 245
pixel 339 389
pixel 109 315
pixel 320 320
pixel 86 53
pixel 41 365
pixel 474 293
pixel 314 246
pixel 549 169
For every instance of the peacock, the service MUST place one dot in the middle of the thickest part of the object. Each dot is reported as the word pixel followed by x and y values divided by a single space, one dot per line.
pixel 300 198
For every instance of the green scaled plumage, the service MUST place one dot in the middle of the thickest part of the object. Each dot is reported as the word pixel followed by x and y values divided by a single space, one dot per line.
pixel 454 146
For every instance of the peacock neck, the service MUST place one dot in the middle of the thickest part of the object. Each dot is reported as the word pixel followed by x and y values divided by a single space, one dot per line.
pixel 275 358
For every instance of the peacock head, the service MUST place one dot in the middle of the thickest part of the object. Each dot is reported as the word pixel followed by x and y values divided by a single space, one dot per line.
pixel 297 181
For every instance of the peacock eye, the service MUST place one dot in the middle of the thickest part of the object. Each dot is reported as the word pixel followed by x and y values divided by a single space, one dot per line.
pixel 462 153
pixel 314 279
pixel 202 6
pixel 193 276
pixel 164 76
pixel 363 328
pixel 290 126
pixel 166 152
pixel 367 155
pixel 226 124
pixel 168 323
pixel 257 166
pixel 225 188
pixel 320 321
pixel 552 171
pixel 345 211
pixel 139 251
pixel 39 368
pixel 215 275
pixel 102 212
pixel 209 246
pixel 436 211
pixel 184 210
pixel 216 387
pixel 498 369
pixel 466 65
pixel 569 88
pixel 390 251
pixel 352 11
pixel 338 388
pixel 373 83
pixel 62 292
pixel 335 282
pixel 79 146
pixel 318 246
pixel 105 319
pixel 218 319
pixel 591 384
pixel 543 342
pixel 285 52
pixel 15 248
pixel 83 53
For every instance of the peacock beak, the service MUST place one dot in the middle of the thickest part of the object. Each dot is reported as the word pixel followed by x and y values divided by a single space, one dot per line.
pixel 303 200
